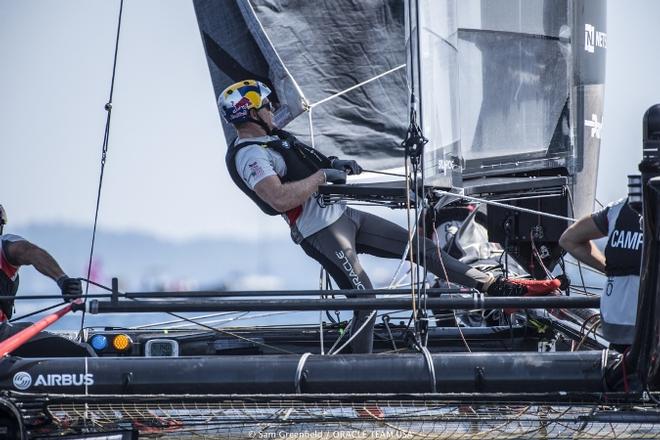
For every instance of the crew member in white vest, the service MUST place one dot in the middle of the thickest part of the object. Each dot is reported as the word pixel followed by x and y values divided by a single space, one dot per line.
pixel 621 263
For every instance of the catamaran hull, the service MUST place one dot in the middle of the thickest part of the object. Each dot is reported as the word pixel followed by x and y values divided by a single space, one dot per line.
pixel 400 373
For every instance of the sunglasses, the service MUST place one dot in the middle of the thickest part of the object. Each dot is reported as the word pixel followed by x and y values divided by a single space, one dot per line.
pixel 267 105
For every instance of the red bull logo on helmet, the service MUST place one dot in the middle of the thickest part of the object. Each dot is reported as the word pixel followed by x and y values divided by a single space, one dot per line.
pixel 236 100
pixel 241 108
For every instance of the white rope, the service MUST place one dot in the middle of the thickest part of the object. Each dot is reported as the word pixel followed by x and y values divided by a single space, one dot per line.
pixel 311 126
pixel 264 34
pixel 310 107
pixel 245 316
pixel 174 321
pixel 299 371
pixel 201 321
pixel 504 205
pixel 356 86
pixel 321 279
pixel 357 332
pixel 393 282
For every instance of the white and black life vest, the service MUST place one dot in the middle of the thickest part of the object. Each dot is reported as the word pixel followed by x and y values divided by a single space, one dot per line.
pixel 623 252
pixel 301 162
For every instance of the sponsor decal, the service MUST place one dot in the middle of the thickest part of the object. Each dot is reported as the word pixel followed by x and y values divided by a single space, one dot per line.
pixel 594 39
pixel 241 107
pixel 446 164
pixel 64 380
pixel 626 239
pixel 22 380
pixel 594 125
pixel 348 267
pixel 255 169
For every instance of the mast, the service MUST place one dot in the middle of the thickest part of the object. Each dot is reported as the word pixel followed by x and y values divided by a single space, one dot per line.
pixel 432 60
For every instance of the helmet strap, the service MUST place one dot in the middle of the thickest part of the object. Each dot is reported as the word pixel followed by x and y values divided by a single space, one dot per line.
pixel 261 123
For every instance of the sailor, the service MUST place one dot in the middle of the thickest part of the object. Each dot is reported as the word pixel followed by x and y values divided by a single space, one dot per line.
pixel 15 251
pixel 621 263
pixel 282 175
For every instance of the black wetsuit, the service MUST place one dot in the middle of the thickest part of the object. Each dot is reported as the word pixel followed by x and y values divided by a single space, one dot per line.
pixel 337 247
pixel 336 241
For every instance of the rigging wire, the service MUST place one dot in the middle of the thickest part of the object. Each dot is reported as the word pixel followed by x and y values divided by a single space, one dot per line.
pixel 384 173
pixel 321 279
pixel 503 205
pixel 572 205
pixel 104 152
pixel 217 330
pixel 413 280
pixel 176 321
pixel 444 269
pixel 380 75
pixel 37 312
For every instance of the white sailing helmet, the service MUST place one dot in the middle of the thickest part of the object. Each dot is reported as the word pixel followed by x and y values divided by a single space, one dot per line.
pixel 236 100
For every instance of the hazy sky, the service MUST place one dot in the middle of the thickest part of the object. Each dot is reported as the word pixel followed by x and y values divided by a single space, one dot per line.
pixel 165 168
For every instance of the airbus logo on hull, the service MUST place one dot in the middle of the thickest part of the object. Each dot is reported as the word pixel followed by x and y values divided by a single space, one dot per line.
pixel 594 39
pixel 22 380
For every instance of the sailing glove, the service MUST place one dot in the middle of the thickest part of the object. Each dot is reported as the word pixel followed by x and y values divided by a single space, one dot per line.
pixel 71 287
pixel 334 175
pixel 350 166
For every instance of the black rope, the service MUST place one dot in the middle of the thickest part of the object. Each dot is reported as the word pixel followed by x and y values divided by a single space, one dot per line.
pixel 37 312
pixel 104 152
pixel 413 146
pixel 572 205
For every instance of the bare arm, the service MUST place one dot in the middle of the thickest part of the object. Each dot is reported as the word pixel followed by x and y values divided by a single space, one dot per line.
pixel 24 253
pixel 285 196
pixel 577 241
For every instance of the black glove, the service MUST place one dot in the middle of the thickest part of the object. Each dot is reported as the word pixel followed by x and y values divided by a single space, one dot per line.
pixel 71 287
pixel 334 176
pixel 350 166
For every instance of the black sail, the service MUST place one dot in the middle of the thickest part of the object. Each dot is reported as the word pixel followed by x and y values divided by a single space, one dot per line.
pixel 502 87
pixel 309 51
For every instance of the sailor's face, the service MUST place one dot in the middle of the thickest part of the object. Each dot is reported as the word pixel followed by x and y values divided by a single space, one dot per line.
pixel 265 112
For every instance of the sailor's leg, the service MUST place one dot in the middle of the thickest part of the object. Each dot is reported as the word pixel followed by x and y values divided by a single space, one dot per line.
pixel 334 248
pixel 382 238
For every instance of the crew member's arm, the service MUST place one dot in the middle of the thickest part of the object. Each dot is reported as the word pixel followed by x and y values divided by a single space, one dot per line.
pixel 24 253
pixel 577 241
pixel 285 196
